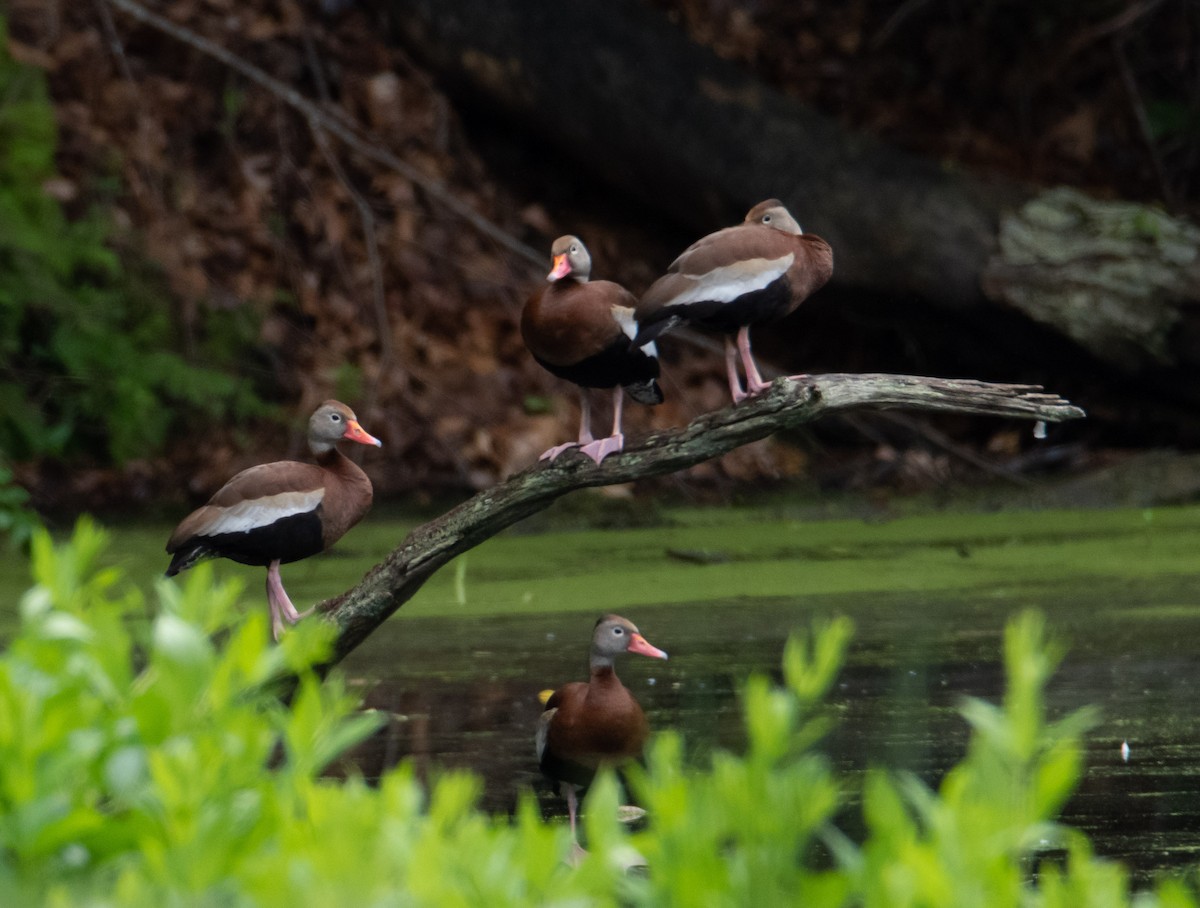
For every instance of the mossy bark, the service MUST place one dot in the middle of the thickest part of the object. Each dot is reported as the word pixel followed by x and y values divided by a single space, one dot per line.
pixel 1118 278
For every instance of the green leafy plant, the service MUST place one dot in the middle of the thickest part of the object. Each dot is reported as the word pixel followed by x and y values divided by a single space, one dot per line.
pixel 17 520
pixel 146 759
pixel 980 836
pixel 736 833
pixel 88 359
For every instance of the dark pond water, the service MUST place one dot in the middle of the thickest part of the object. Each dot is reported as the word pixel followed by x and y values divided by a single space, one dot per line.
pixel 929 599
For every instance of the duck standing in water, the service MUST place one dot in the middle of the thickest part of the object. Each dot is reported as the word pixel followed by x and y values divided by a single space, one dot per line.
pixel 594 723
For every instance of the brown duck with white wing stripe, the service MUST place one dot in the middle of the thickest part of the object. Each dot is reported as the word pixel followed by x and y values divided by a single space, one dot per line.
pixel 582 330
pixel 760 270
pixel 276 513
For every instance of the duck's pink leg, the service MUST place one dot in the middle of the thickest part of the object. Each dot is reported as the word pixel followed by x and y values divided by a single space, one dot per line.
pixel 577 851
pixel 598 450
pixel 281 606
pixel 735 381
pixel 572 805
pixel 277 623
pixel 754 381
pixel 585 428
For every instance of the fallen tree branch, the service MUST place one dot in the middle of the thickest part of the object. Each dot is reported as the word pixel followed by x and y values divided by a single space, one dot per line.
pixel 786 405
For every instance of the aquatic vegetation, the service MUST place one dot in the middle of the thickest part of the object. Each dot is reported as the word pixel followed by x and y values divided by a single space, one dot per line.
pixel 147 759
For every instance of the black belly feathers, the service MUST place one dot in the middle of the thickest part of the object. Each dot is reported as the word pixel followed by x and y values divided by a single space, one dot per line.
pixel 620 363
pixel 727 317
pixel 285 540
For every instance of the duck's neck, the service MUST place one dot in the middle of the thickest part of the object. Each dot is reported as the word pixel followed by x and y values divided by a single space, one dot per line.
pixel 602 670
pixel 326 455
pixel 334 461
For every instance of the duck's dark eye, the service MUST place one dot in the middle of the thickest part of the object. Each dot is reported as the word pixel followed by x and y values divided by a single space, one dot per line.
pixel 574 250
pixel 336 417
pixel 766 219
pixel 618 631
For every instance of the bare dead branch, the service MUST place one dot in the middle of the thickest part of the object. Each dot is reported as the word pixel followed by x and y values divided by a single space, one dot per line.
pixel 786 405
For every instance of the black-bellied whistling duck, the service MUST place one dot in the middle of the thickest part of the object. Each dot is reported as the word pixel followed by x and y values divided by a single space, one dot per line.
pixel 281 512
pixel 583 330
pixel 586 725
pixel 762 269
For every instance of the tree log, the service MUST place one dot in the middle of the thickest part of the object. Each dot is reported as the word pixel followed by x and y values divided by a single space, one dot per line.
pixel 614 86
pixel 785 405
pixel 1115 277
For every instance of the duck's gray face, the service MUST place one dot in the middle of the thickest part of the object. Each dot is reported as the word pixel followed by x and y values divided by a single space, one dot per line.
pixel 569 257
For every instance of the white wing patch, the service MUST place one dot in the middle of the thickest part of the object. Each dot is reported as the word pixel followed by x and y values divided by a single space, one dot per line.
pixel 727 283
pixel 260 512
pixel 624 317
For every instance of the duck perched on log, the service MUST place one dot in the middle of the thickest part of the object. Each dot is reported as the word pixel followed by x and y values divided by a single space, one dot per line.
pixel 730 280
pixel 276 513
pixel 598 722
pixel 582 331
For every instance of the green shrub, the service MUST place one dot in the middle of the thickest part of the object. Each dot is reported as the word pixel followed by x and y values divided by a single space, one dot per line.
pixel 145 760
pixel 17 520
pixel 88 355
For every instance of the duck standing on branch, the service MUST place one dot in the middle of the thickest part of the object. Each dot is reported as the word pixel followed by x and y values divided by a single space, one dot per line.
pixel 583 330
pixel 276 513
pixel 586 725
pixel 760 270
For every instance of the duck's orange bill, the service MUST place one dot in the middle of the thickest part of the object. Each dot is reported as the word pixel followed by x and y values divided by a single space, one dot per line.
pixel 355 432
pixel 561 268
pixel 639 645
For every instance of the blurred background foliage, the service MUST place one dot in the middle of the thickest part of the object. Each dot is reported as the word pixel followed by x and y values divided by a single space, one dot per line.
pixel 91 365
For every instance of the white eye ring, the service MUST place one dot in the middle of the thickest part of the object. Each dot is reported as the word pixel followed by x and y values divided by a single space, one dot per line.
pixel 336 417
pixel 766 219
pixel 574 249
pixel 618 631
